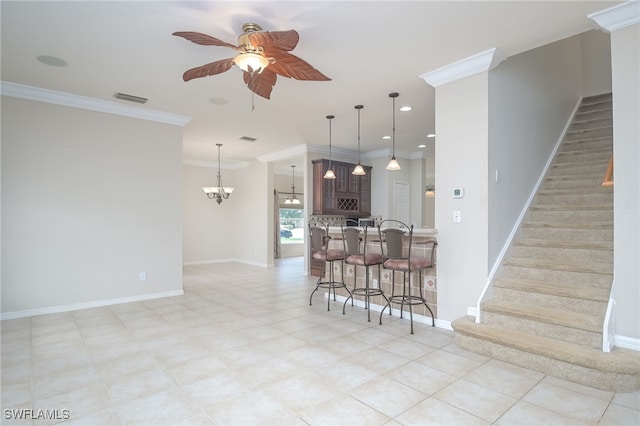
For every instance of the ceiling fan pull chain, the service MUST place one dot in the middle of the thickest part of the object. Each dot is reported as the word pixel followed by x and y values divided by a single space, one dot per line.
pixel 253 102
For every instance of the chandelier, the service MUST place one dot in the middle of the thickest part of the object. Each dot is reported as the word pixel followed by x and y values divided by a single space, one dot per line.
pixel 292 199
pixel 218 192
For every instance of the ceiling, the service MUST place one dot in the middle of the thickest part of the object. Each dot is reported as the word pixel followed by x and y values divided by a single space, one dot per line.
pixel 367 48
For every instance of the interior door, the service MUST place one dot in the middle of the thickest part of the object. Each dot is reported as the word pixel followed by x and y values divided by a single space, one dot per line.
pixel 401 201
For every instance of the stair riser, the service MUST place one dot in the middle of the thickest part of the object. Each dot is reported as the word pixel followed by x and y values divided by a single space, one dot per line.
pixel 594 115
pixel 604 105
pixel 569 255
pixel 550 301
pixel 571 216
pixel 590 124
pixel 524 325
pixel 578 171
pixel 596 198
pixel 569 184
pixel 589 134
pixel 581 157
pixel 573 146
pixel 613 382
pixel 564 234
pixel 558 277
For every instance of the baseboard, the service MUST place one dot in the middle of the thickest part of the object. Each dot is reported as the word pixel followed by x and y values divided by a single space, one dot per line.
pixel 627 342
pixel 87 305
pixel 206 262
pixel 378 308
pixel 213 261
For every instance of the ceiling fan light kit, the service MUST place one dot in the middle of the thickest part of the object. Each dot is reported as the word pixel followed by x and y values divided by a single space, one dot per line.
pixel 262 56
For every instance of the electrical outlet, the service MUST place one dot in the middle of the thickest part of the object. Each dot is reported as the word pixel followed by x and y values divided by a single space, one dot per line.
pixel 375 283
pixel 142 276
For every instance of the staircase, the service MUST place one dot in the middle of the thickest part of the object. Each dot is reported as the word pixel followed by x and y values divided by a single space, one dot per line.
pixel 550 299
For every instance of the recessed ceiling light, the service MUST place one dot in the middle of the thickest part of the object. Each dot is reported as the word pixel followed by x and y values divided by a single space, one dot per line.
pixel 422 146
pixel 52 61
pixel 386 138
pixel 405 108
pixel 431 135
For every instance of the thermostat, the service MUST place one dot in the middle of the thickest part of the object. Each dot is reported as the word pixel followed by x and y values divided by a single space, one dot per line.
pixel 458 192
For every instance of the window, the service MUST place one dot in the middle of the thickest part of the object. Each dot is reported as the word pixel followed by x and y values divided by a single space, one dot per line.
pixel 291 226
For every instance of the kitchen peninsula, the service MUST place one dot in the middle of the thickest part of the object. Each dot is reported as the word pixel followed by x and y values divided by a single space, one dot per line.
pixel 419 248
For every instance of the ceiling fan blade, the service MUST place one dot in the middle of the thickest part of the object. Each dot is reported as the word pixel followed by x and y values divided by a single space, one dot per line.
pixel 280 40
pixel 261 84
pixel 289 65
pixel 203 39
pixel 213 68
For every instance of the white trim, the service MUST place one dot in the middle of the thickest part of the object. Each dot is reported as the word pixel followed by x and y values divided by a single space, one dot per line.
pixel 523 212
pixel 480 62
pixel 213 261
pixel 627 342
pixel 618 16
pixel 214 165
pixel 87 305
pixel 609 323
pixel 423 319
pixel 285 154
pixel 82 102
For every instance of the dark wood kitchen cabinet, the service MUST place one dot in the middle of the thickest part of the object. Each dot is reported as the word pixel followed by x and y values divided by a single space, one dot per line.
pixel 346 195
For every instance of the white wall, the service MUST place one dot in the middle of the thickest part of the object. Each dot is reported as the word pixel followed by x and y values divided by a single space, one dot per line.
pixel 206 230
pixel 596 62
pixel 89 200
pixel 461 158
pixel 625 48
pixel 531 98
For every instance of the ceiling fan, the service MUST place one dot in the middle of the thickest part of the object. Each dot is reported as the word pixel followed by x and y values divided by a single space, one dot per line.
pixel 262 56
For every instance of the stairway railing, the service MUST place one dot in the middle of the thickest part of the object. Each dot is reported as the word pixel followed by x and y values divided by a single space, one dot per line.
pixel 608 177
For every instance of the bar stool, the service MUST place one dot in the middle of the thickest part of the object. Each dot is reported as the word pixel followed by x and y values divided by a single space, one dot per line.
pixel 395 259
pixel 353 256
pixel 320 251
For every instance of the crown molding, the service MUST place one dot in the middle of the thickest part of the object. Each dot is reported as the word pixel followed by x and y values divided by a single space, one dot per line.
pixel 618 16
pixel 294 151
pixel 82 102
pixel 483 61
pixel 214 165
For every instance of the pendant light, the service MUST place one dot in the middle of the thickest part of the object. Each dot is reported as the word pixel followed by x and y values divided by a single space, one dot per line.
pixel 393 164
pixel 330 174
pixel 358 170
pixel 292 199
pixel 218 192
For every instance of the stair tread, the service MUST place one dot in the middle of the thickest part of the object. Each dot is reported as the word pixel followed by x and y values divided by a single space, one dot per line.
pixel 599 268
pixel 575 291
pixel 565 318
pixel 572 207
pixel 565 244
pixel 577 224
pixel 617 361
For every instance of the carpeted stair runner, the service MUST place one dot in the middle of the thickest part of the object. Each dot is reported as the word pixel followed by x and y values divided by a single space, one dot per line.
pixel 550 297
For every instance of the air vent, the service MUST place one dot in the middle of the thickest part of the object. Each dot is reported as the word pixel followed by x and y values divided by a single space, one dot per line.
pixel 130 98
pixel 247 139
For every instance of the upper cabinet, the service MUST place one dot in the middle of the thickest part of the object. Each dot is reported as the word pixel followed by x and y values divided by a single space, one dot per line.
pixel 346 195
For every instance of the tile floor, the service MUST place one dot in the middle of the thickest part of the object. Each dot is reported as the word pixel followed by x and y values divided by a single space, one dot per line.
pixel 243 347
